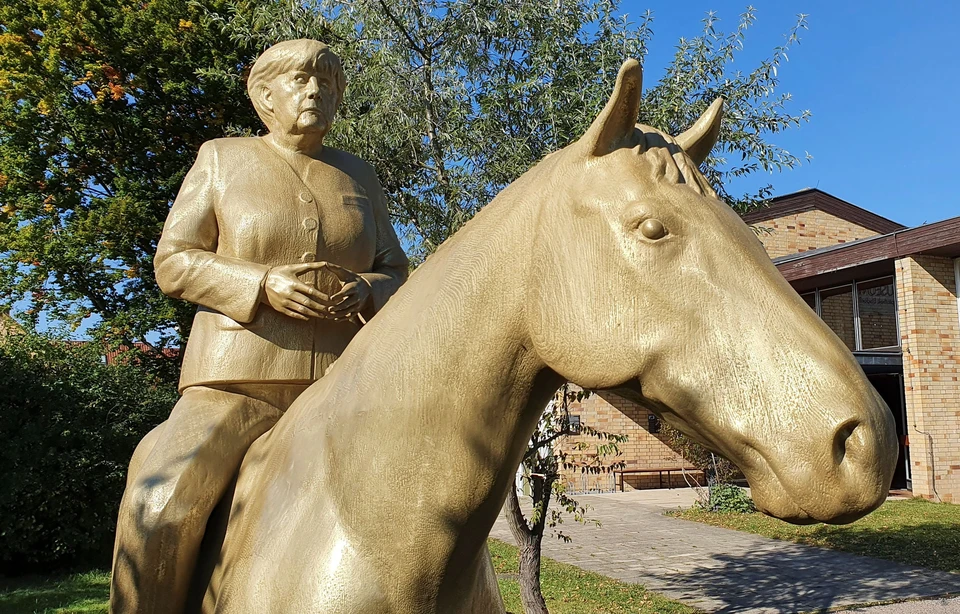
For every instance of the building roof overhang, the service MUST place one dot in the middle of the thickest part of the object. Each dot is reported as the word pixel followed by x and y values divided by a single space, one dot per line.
pixel 937 239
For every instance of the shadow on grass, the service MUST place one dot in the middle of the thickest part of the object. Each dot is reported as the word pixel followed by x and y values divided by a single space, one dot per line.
pixel 931 544
pixel 571 590
pixel 81 593
pixel 913 532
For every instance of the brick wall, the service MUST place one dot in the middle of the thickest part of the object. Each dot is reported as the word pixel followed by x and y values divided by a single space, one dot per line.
pixel 808 230
pixel 930 337
pixel 608 412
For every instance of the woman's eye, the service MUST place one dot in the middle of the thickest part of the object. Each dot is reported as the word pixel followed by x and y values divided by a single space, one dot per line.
pixel 653 229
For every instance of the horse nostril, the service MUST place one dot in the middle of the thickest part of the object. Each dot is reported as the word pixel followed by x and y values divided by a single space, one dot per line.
pixel 840 439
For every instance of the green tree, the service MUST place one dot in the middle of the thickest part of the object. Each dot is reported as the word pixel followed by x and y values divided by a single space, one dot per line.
pixel 451 100
pixel 105 102
pixel 101 115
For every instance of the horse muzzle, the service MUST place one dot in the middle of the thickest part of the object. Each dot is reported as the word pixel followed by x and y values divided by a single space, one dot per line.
pixel 836 481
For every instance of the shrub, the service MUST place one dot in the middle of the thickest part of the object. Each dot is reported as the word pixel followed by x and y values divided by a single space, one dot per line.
pixel 68 426
pixel 730 499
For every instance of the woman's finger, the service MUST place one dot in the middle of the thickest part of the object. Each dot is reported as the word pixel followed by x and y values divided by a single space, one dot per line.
pixel 348 304
pixel 303 299
pixel 347 289
pixel 341 273
pixel 312 292
pixel 301 309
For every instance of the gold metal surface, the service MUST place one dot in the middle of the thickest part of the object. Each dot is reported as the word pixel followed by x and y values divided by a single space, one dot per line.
pixel 611 264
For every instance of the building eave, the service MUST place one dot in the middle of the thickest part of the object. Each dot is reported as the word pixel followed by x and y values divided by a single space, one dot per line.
pixel 939 239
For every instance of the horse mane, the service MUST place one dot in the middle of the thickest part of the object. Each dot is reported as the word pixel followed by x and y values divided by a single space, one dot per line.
pixel 669 160
pixel 653 147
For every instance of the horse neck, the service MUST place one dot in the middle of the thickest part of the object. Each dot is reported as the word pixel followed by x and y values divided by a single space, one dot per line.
pixel 450 358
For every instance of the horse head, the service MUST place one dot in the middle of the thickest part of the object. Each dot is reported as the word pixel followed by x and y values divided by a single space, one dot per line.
pixel 645 282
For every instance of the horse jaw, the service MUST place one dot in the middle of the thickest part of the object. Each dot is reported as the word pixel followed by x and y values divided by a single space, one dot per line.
pixel 793 477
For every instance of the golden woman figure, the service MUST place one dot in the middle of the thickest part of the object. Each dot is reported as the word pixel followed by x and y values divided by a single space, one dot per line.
pixel 287 247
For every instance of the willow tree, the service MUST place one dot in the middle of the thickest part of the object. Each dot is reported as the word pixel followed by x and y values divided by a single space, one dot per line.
pixel 452 100
pixel 103 104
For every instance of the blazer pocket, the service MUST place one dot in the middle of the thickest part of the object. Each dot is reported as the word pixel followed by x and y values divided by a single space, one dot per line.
pixel 356 200
pixel 218 321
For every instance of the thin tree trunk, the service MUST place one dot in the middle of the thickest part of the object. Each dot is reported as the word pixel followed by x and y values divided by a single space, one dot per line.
pixel 528 543
pixel 530 594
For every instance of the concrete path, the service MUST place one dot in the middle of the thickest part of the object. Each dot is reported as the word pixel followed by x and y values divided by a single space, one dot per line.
pixel 719 570
pixel 927 606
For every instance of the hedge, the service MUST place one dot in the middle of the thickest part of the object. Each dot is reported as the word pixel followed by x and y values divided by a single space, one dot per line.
pixel 68 425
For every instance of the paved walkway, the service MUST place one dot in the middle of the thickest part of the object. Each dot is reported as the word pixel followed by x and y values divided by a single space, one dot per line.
pixel 927 606
pixel 719 570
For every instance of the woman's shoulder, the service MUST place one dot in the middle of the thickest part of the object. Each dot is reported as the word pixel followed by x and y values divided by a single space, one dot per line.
pixel 350 164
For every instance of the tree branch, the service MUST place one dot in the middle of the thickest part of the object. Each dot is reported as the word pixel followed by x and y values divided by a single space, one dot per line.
pixel 536 445
pixel 396 22
pixel 514 515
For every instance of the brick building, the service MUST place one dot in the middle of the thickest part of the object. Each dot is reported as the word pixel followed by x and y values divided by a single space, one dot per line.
pixel 608 412
pixel 890 293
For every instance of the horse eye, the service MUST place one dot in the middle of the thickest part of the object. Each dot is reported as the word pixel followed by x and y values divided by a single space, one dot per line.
pixel 653 229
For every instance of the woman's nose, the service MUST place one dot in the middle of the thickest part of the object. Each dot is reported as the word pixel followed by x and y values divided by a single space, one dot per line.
pixel 313 87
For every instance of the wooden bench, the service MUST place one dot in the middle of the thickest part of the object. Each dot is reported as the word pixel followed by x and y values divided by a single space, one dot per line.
pixel 658 470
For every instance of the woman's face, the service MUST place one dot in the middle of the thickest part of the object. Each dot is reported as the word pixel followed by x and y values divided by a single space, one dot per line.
pixel 302 100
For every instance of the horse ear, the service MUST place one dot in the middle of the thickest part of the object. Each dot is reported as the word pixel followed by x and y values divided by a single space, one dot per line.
pixel 618 118
pixel 702 136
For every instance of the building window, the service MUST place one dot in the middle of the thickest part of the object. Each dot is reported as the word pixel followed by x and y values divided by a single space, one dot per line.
pixel 877 308
pixel 836 309
pixel 863 314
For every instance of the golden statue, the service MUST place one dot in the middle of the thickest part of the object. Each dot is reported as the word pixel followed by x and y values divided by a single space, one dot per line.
pixel 287 247
pixel 611 264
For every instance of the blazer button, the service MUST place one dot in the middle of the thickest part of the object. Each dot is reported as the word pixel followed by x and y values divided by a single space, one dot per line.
pixel 310 223
pixel 308 257
pixel 305 197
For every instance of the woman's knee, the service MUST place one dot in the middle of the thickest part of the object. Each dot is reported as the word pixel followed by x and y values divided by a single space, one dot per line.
pixel 141 452
pixel 155 506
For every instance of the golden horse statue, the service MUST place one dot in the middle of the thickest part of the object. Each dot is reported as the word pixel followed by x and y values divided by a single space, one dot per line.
pixel 613 265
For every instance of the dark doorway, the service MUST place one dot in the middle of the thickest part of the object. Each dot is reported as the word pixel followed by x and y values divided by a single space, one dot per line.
pixel 890 387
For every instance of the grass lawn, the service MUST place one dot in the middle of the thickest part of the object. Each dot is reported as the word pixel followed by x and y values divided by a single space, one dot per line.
pixel 568 590
pixel 913 532
pixel 85 592
pixel 571 590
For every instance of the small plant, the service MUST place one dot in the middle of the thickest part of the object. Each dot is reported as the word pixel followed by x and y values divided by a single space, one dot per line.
pixel 730 499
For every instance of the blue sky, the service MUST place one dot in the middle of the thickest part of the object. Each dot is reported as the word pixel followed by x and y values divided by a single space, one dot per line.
pixel 882 80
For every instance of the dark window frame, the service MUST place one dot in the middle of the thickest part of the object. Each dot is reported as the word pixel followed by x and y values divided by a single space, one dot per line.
pixel 857 333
